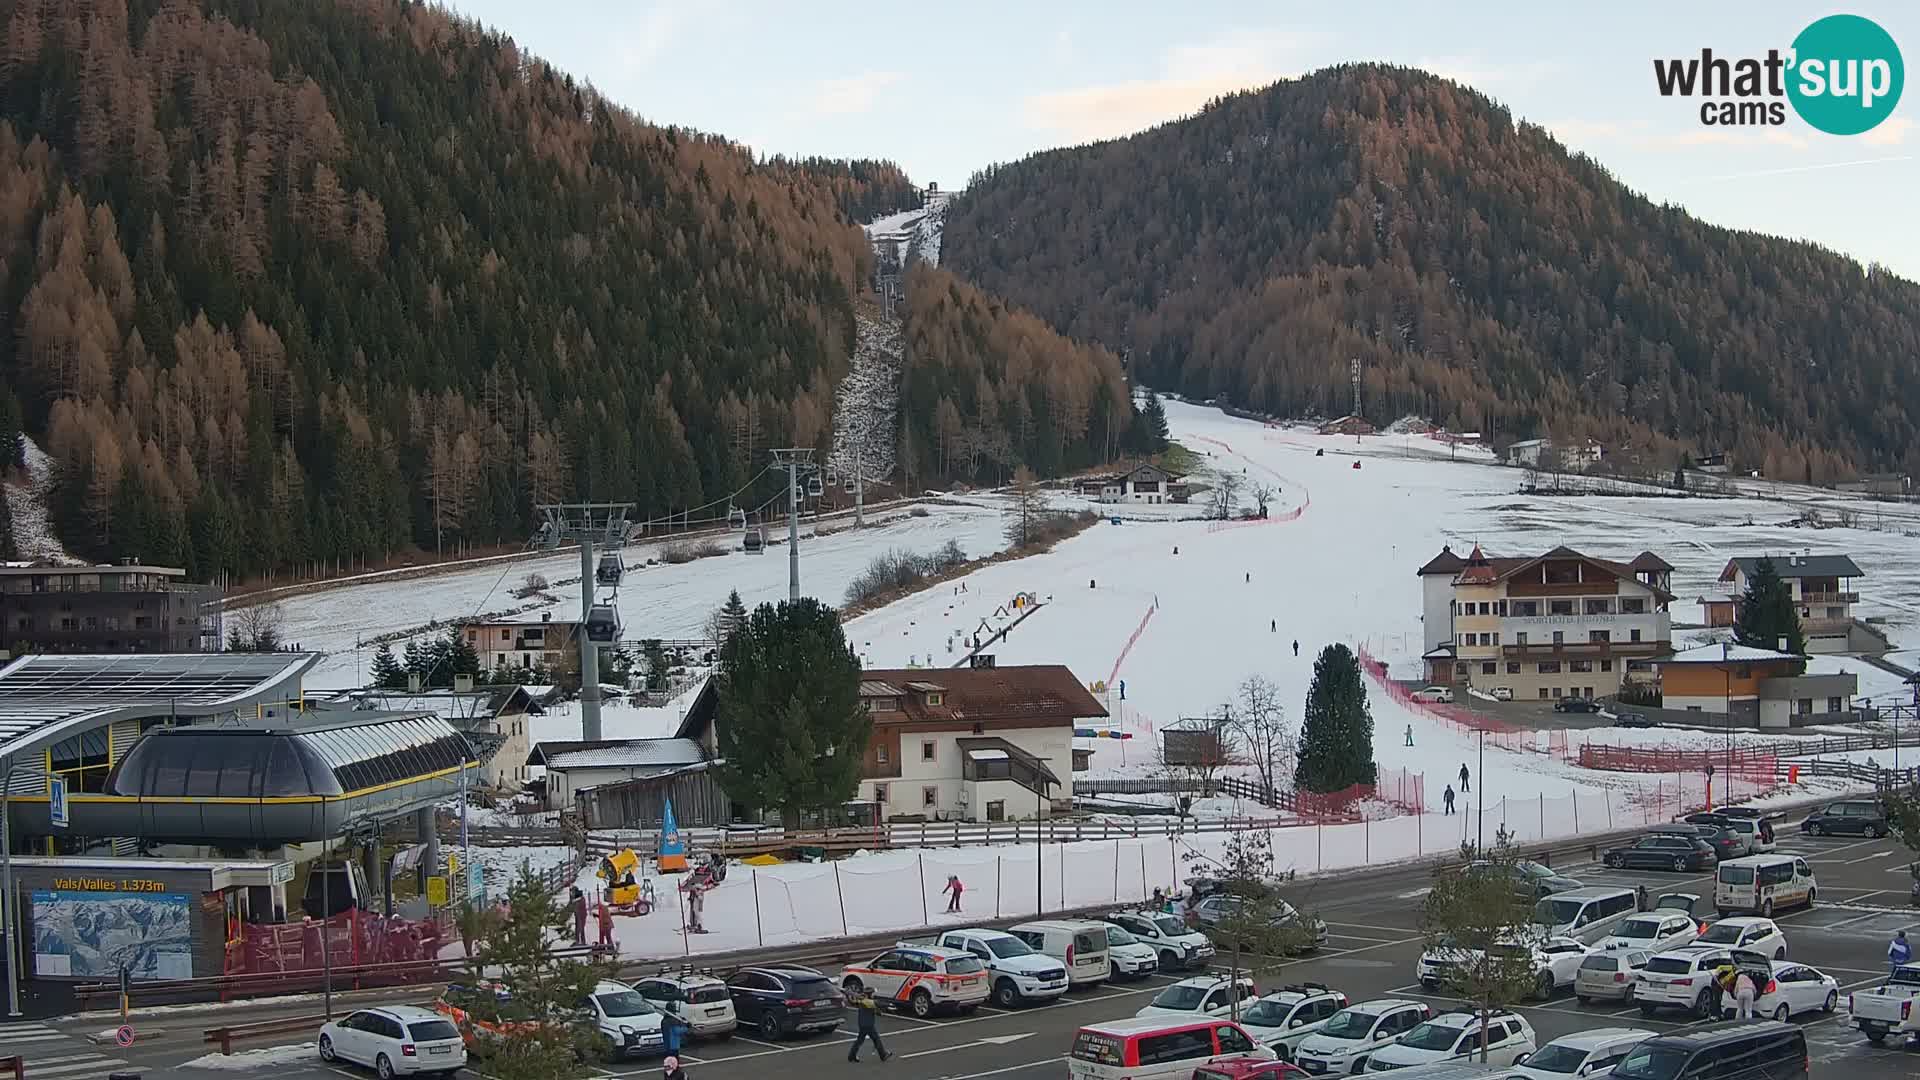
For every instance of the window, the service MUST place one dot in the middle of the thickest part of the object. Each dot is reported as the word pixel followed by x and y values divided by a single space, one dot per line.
pixel 1490 668
pixel 1513 667
pixel 1803 706
pixel 1559 637
pixel 929 796
pixel 1599 637
pixel 1520 639
pixel 1499 607
pixel 880 754
pixel 1233 1040
pixel 1633 605
pixel 1634 635
pixel 1176 1046
pixel 1579 665
pixel 1549 667
pixel 1526 608
pixel 1496 637
pixel 1606 665
pixel 1556 692
pixel 879 793
pixel 935 699
pixel 506 634
pixel 926 750
pixel 1833 704
pixel 1599 606
pixel 1560 607
pixel 1543 693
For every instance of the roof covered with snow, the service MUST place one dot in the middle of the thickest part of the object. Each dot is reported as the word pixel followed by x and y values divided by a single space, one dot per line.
pixel 617 754
pixel 1738 654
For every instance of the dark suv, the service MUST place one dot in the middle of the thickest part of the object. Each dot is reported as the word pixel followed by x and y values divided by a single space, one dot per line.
pixel 1726 843
pixel 1576 704
pixel 1862 817
pixel 785 999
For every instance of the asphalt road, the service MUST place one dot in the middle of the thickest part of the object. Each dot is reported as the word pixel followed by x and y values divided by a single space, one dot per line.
pixel 1371 953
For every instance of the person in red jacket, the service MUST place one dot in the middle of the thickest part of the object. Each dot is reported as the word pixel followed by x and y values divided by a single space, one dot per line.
pixel 953 889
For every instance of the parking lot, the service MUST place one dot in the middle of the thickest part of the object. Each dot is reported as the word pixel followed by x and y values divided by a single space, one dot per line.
pixel 1374 942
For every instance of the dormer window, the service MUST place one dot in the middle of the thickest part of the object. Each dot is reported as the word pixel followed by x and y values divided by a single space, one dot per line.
pixel 935 698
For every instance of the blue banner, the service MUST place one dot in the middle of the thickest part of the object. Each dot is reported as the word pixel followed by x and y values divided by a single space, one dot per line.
pixel 670 842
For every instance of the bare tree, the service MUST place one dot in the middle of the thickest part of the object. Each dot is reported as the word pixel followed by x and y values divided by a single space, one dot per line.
pixel 256 628
pixel 1026 508
pixel 1264 738
pixel 1225 496
pixel 1262 493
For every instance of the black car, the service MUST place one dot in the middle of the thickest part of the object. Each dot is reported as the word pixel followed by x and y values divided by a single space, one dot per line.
pixel 1766 1050
pixel 785 999
pixel 1662 851
pixel 1860 817
pixel 1726 843
pixel 1633 719
pixel 1576 704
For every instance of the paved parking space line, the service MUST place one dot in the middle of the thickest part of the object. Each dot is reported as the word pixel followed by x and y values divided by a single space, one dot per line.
pixel 918 1020
pixel 1867 858
pixel 1007 1069
pixel 757 1042
pixel 1875 892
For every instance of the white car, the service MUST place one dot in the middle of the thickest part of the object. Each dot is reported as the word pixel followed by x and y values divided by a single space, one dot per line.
pixel 699 1000
pixel 1438 962
pixel 1284 1018
pixel 922 977
pixel 1018 972
pixel 630 1024
pixel 1434 693
pixel 1202 995
pixel 1128 957
pixel 1590 1054
pixel 395 1040
pixel 1749 932
pixel 1653 931
pixel 1502 693
pixel 1682 978
pixel 1457 1035
pixel 1556 961
pixel 1343 1043
pixel 1179 946
pixel 1794 990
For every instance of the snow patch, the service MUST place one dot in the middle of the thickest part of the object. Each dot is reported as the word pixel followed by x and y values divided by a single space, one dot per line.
pixel 261 1058
pixel 33 535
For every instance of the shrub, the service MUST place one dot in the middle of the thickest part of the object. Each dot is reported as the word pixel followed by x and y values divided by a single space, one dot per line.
pixel 686 552
pixel 919 511
pixel 895 571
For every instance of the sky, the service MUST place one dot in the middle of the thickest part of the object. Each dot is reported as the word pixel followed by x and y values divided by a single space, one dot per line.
pixel 945 91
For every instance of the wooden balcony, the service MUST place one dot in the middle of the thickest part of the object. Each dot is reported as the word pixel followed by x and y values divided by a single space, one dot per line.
pixel 1830 598
pixel 1583 650
pixel 1563 588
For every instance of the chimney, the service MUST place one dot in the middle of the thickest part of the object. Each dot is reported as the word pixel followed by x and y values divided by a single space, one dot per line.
pixel 546 616
pixel 413 682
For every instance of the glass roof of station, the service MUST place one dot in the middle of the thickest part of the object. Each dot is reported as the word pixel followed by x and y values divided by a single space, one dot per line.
pixel 210 762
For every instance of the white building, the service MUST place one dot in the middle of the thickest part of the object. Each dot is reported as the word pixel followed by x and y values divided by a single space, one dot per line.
pixel 572 766
pixel 1546 454
pixel 972 744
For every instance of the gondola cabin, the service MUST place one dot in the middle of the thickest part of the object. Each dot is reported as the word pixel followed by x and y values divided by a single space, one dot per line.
pixel 754 542
pixel 610 569
pixel 814 488
pixel 603 624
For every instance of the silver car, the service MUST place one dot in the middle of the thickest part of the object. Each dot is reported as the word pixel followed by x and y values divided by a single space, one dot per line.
pixel 1608 976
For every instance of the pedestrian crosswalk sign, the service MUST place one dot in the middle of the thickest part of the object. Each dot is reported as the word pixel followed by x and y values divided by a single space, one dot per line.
pixel 57 800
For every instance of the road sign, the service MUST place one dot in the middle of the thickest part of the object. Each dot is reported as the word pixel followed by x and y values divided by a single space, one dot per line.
pixel 476 883
pixel 57 800
pixel 437 890
pixel 124 1036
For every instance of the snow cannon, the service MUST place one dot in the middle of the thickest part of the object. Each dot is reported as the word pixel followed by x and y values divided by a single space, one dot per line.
pixel 625 894
pixel 1356 464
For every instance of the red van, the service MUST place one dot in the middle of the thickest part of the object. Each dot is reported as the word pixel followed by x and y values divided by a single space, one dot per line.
pixel 1249 1068
pixel 1156 1047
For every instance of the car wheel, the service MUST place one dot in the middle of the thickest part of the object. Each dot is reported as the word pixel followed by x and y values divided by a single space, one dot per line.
pixel 922 1004
pixel 1616 861
pixel 1873 832
pixel 326 1048
pixel 1703 1005
pixel 1169 961
pixel 1833 999
pixel 1645 1009
pixel 1814 828
pixel 769 1027
pixel 1583 999
pixel 1359 1066
pixel 1780 953
pixel 1875 1038
pixel 1543 985
pixel 1722 912
pixel 1782 1012
pixel 1680 865
pixel 1766 908
pixel 1113 971
pixel 383 1068
pixel 1810 893
pixel 1005 994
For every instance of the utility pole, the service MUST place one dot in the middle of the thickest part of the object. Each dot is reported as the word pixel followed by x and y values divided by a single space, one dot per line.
pixel 585 523
pixel 859 484
pixel 795 460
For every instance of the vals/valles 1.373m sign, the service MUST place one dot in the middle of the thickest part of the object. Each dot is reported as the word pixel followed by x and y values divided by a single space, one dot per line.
pixel 1843 75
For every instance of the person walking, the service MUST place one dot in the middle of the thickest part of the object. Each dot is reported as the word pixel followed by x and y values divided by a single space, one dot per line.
pixel 1296 646
pixel 953 890
pixel 1273 626
pixel 1465 781
pixel 1743 994
pixel 1898 951
pixel 1409 734
pixel 604 915
pixel 577 903
pixel 1640 901
pixel 670 1069
pixel 869 1025
pixel 1447 797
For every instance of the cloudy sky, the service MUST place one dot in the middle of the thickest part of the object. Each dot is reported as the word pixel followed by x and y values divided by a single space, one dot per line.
pixel 945 90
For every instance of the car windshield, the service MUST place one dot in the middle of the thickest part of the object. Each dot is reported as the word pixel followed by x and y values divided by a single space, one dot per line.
pixel 1169 925
pixel 814 989
pixel 1649 1063
pixel 1117 936
pixel 1349 1024
pixel 1638 929
pixel 1264 1013
pixel 1556 912
pixel 1431 1036
pixel 1184 998
pixel 432 1031
pixel 623 1003
pixel 1736 875
pixel 1600 962
pixel 1722 934
pixel 1009 947
pixel 1557 1059
pixel 707 995
pixel 1507 950
pixel 1532 869
pixel 965 965
pixel 1670 965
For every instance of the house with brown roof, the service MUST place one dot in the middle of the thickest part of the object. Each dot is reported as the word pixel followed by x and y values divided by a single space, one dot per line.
pixel 1559 624
pixel 972 744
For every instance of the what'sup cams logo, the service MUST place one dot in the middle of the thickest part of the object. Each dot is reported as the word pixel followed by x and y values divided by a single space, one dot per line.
pixel 1843 76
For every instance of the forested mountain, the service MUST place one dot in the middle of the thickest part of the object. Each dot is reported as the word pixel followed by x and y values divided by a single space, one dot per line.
pixel 324 280
pixel 1481 274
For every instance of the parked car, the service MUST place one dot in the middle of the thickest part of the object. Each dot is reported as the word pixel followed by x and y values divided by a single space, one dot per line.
pixel 1201 995
pixel 1590 1054
pixel 1018 973
pixel 1848 817
pixel 1502 693
pixel 1530 878
pixel 1157 1047
pixel 1749 1051
pixel 1795 990
pixel 1248 1068
pixel 1662 851
pixel 900 976
pixel 1555 961
pixel 1586 914
pixel 1576 705
pixel 1180 946
pixel 1761 883
pixel 1128 957
pixel 1747 932
pixel 1284 1018
pixel 1652 931
pixel 1687 978
pixel 1756 836
pixel 697 999
pixel 1350 1036
pixel 395 1040
pixel 779 1000
pixel 1457 1035
pixel 1080 945
pixel 1726 843
pixel 1311 930
pixel 627 1025
pixel 1631 719
pixel 1609 976
pixel 1441 694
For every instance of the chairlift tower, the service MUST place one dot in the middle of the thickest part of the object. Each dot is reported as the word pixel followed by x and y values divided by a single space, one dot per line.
pixel 796 460
pixel 586 524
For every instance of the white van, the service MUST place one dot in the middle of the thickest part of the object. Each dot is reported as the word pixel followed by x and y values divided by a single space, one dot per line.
pixel 1587 914
pixel 1080 944
pixel 1760 883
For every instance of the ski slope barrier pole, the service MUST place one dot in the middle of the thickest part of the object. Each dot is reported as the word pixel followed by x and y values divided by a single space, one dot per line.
pixel 1131 640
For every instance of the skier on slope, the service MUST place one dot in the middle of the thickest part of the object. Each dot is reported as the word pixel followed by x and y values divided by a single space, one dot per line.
pixel 1296 646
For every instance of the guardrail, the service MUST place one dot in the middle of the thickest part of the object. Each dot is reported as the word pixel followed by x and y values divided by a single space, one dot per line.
pixel 225 1037
pixel 926 834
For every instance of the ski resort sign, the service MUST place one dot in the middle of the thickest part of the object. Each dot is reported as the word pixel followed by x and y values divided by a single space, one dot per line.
pixel 1843 75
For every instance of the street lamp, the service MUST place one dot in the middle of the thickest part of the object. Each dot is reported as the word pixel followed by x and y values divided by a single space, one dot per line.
pixel 1040 842
pixel 1480 801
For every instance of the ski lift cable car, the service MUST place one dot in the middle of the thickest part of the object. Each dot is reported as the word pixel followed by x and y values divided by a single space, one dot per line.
pixel 603 624
pixel 754 542
pixel 813 487
pixel 736 517
pixel 610 569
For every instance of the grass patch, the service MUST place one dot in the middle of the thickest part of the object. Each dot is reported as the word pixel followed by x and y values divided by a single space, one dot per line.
pixel 686 552
pixel 1179 460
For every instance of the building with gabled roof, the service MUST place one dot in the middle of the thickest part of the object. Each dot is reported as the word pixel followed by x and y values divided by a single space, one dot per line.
pixel 1559 624
pixel 1823 594
pixel 1751 687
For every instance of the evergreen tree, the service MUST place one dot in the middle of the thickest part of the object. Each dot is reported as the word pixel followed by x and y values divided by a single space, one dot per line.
pixel 7 548
pixel 461 658
pixel 387 672
pixel 1153 425
pixel 418 660
pixel 732 615
pixel 12 427
pixel 1767 615
pixel 791 727
pixel 655 656
pixel 1336 736
pixel 517 945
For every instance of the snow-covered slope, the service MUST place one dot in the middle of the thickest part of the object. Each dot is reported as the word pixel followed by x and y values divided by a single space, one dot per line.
pixel 33 534
pixel 914 234
pixel 866 405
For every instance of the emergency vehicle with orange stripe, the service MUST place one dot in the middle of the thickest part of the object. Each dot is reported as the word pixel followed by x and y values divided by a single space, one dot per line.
pixel 921 979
